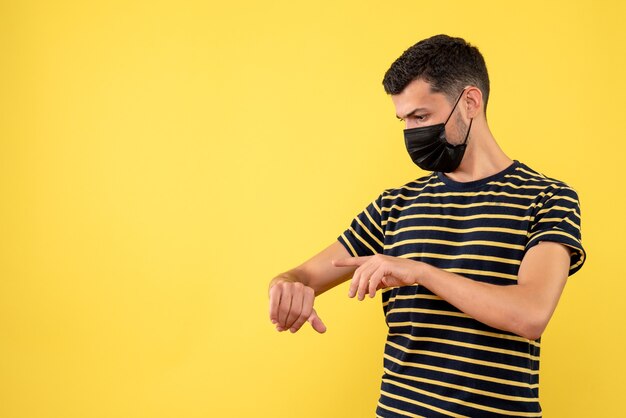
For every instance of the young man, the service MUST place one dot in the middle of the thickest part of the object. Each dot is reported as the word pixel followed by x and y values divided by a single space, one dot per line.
pixel 471 259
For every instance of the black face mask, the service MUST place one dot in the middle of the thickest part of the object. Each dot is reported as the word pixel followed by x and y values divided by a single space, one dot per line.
pixel 429 148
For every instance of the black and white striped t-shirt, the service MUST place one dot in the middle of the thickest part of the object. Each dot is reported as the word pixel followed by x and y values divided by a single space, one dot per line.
pixel 439 361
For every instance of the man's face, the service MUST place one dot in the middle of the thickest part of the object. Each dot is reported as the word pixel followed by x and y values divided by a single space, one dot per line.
pixel 417 106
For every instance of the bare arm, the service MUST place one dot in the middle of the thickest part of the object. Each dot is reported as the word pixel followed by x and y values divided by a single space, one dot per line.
pixel 292 293
pixel 523 308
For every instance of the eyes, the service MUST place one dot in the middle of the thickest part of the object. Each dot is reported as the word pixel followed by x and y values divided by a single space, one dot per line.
pixel 415 118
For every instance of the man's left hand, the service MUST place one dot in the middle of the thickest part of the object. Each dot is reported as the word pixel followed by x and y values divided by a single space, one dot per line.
pixel 379 271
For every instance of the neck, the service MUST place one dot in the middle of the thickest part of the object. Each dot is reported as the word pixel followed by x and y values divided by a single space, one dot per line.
pixel 483 156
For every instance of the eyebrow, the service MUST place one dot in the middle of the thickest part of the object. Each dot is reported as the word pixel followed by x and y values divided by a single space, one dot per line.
pixel 419 109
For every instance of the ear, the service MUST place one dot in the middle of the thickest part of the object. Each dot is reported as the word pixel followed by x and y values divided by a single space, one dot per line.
pixel 472 102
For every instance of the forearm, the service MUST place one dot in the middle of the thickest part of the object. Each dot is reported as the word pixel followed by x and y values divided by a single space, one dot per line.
pixel 523 308
pixel 318 272
pixel 515 308
pixel 318 283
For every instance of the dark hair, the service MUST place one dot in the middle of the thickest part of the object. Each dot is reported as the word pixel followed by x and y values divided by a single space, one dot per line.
pixel 448 64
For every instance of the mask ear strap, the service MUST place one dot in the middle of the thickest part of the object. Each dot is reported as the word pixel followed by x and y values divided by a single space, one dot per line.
pixel 468 129
pixel 454 107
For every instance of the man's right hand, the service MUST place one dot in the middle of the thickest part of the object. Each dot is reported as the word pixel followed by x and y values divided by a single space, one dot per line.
pixel 291 305
pixel 292 293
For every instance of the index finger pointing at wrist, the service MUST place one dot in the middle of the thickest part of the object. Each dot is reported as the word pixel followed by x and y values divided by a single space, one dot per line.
pixel 354 261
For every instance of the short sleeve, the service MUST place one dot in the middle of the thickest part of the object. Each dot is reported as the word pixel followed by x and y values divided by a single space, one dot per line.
pixel 365 234
pixel 558 219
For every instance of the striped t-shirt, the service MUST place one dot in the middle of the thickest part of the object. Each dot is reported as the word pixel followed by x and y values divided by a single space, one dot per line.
pixel 438 361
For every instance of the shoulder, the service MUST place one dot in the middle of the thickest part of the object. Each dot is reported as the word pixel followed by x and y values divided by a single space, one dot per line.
pixel 411 189
pixel 529 175
pixel 548 189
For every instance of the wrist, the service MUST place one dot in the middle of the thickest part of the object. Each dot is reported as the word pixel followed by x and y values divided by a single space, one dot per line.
pixel 288 276
pixel 422 273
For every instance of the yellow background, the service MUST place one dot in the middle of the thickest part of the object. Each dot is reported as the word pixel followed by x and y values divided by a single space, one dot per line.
pixel 161 161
